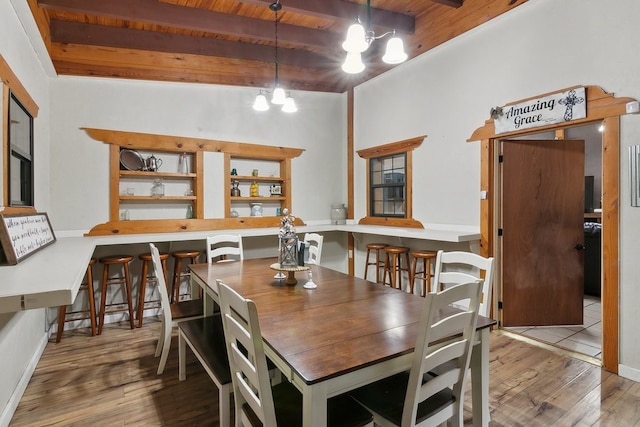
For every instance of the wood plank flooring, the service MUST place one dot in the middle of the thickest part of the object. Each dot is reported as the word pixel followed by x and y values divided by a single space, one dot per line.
pixel 111 380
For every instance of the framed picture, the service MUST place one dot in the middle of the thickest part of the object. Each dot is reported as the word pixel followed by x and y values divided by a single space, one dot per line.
pixel 23 235
pixel 275 190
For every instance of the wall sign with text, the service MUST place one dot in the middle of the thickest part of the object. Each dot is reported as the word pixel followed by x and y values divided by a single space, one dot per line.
pixel 24 234
pixel 556 108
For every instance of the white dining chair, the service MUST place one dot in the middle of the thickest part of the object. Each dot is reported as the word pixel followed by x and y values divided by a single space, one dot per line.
pixel 315 247
pixel 418 397
pixel 172 314
pixel 457 267
pixel 224 247
pixel 256 400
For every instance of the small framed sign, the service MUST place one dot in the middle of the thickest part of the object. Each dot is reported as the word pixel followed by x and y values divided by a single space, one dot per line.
pixel 22 235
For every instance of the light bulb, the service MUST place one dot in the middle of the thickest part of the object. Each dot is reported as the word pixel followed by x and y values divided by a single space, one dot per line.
pixel 289 105
pixel 261 104
pixel 395 53
pixel 356 41
pixel 353 63
pixel 278 96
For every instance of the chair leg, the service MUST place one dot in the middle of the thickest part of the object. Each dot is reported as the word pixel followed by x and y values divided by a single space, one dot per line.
pixel 224 403
pixel 177 269
pixel 166 345
pixel 103 297
pixel 127 279
pixel 62 312
pixel 160 339
pixel 141 291
pixel 182 358
pixel 92 300
pixel 366 265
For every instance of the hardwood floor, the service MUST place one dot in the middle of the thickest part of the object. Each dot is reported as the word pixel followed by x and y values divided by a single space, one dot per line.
pixel 111 380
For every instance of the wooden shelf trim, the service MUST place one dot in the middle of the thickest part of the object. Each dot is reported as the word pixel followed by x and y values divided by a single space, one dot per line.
pixel 258 199
pixel 146 226
pixel 244 178
pixel 153 142
pixel 146 174
pixel 157 198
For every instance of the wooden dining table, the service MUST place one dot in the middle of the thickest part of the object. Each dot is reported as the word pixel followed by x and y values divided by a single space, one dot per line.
pixel 345 333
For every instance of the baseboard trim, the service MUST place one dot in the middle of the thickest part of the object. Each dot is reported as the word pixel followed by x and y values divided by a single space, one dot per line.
pixel 14 400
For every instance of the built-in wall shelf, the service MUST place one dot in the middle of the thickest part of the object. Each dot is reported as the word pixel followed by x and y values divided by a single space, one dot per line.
pixel 132 188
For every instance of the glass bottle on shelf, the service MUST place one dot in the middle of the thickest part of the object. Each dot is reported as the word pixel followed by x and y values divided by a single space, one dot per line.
pixel 183 164
pixel 158 187
pixel 189 211
pixel 254 189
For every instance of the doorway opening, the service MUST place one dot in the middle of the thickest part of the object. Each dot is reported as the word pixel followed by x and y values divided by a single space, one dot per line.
pixel 584 336
pixel 601 107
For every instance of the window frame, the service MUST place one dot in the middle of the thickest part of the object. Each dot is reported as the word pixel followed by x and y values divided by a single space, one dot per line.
pixel 405 147
pixel 23 152
pixel 12 85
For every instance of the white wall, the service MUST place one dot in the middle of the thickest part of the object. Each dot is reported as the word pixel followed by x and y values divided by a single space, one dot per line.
pixel 22 336
pixel 80 178
pixel 539 47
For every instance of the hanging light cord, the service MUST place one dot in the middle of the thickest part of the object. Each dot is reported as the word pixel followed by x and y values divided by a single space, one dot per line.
pixel 276 7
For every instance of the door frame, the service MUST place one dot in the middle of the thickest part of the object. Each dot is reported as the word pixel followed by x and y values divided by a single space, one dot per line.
pixel 601 106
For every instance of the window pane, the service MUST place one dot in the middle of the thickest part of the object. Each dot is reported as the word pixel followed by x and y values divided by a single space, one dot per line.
pixel 20 136
pixel 387 186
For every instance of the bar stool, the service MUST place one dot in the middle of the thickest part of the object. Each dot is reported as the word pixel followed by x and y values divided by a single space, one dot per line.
pixel 178 274
pixel 145 278
pixel 62 312
pixel 425 273
pixel 123 262
pixel 393 265
pixel 379 262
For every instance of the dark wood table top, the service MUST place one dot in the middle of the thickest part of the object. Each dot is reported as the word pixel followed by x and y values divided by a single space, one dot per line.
pixel 343 325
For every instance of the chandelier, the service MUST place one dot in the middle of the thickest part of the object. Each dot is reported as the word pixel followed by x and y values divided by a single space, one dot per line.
pixel 278 96
pixel 360 37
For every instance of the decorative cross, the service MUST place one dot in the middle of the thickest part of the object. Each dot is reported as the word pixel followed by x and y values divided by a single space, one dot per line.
pixel 570 101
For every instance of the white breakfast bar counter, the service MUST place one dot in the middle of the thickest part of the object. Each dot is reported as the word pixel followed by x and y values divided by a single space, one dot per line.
pixel 52 276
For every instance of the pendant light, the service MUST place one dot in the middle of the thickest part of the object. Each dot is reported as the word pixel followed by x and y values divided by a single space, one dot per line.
pixel 279 96
pixel 360 37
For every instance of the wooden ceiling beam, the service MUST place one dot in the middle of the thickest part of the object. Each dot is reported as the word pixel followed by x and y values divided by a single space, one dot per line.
pixel 158 13
pixel 452 3
pixel 348 11
pixel 100 35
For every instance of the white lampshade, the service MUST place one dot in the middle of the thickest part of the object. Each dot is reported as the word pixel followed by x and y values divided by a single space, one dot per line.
pixel 278 96
pixel 261 104
pixel 353 63
pixel 355 41
pixel 289 105
pixel 395 53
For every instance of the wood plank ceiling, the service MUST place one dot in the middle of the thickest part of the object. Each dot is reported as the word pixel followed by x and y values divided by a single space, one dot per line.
pixel 231 42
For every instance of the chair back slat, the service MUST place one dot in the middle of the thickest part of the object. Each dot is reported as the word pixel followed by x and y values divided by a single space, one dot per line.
pixel 247 360
pixel 315 241
pixel 439 320
pixel 453 268
pixel 224 247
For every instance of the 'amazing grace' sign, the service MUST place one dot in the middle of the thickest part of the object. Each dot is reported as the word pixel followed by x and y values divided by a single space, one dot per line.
pixel 556 108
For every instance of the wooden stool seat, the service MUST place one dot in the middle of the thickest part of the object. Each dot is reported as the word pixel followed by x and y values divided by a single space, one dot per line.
pixel 144 279
pixel 91 309
pixel 178 274
pixel 122 261
pixel 425 274
pixel 379 261
pixel 393 265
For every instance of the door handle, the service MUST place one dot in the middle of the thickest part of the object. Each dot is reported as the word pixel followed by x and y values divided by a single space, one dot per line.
pixel 580 247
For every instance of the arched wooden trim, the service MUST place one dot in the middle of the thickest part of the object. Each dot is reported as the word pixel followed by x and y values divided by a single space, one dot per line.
pixel 600 106
pixel 147 141
pixel 406 146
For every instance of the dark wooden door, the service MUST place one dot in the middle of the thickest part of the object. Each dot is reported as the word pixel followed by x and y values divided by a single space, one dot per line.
pixel 542 223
